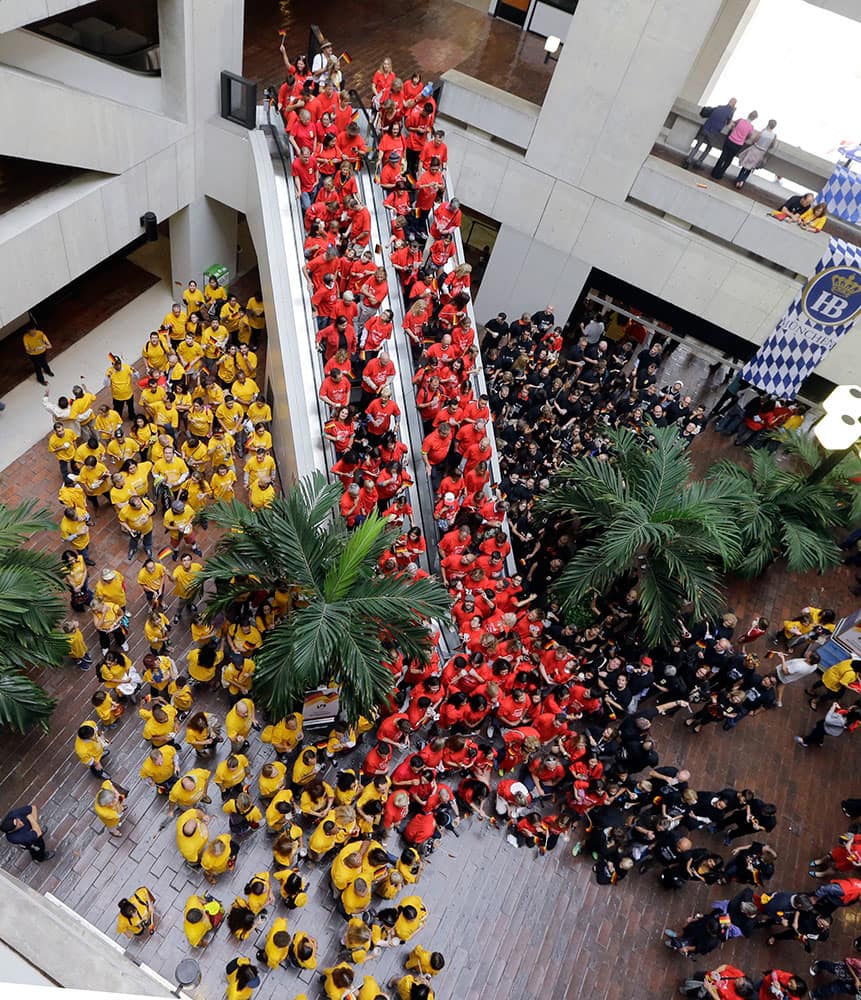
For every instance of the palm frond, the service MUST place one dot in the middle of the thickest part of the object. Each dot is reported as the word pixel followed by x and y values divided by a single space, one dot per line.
pixel 807 548
pixel 23 704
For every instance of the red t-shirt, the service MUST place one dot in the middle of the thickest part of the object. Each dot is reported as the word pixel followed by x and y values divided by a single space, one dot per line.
pixel 306 172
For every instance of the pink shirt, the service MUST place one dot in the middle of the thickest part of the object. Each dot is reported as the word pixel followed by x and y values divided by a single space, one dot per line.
pixel 741 131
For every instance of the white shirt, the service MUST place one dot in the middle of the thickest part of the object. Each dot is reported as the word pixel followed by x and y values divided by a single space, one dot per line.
pixel 593 331
pixel 794 670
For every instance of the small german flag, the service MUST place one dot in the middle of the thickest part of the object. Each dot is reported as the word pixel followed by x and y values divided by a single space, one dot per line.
pixel 166 551
pixel 113 358
pixel 345 57
pixel 411 179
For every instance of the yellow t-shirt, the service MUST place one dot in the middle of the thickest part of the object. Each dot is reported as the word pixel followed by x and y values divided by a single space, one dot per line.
pixel 195 933
pixel 35 342
pixel 152 581
pixel 121 382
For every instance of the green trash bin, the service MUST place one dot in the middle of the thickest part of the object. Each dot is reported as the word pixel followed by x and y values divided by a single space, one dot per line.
pixel 217 271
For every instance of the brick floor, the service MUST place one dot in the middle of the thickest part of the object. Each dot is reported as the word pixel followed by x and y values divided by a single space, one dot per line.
pixel 511 924
pixel 429 35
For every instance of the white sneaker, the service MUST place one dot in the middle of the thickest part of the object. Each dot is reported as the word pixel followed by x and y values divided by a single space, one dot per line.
pixel 511 839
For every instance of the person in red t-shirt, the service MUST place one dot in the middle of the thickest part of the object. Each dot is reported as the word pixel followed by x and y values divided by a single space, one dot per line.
pixel 419 124
pixel 375 332
pixel 435 147
pixel 428 186
pixel 382 414
pixel 447 218
pixel 305 175
pixel 335 389
pixel 726 982
pixel 435 449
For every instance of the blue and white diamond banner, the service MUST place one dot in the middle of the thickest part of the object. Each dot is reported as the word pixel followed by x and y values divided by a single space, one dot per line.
pixel 819 315
pixel 842 194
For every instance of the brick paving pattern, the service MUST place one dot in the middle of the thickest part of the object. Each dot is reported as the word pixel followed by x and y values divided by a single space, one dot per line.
pixel 510 923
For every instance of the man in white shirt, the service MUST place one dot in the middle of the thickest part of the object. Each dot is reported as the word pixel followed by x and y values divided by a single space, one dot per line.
pixel 593 331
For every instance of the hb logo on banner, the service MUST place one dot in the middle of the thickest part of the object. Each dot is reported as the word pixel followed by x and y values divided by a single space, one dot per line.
pixel 833 296
pixel 819 315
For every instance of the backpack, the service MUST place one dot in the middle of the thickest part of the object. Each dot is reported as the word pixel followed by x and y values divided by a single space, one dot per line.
pixel 706 112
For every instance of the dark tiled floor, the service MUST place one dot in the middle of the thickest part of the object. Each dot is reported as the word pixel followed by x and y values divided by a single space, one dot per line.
pixel 430 35
pixel 511 924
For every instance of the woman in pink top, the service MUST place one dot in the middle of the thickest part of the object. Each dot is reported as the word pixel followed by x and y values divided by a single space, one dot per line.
pixel 734 143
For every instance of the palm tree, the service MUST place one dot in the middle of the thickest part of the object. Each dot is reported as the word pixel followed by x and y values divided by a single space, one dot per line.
pixel 644 518
pixel 784 515
pixel 31 608
pixel 345 614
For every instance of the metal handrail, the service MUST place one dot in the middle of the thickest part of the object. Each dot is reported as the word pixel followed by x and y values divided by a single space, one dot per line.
pixel 298 227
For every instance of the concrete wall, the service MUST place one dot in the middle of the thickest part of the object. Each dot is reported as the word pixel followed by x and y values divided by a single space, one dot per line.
pixel 78 956
pixel 564 207
pixel 624 64
pixel 154 155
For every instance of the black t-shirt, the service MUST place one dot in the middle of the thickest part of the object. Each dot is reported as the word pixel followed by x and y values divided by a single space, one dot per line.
pixel 795 205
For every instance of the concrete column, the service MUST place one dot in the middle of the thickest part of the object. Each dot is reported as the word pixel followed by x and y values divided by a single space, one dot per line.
pixel 623 65
pixel 202 234
pixel 174 34
pixel 730 25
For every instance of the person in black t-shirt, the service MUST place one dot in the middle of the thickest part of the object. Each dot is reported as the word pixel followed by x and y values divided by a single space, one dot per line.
pixel 794 207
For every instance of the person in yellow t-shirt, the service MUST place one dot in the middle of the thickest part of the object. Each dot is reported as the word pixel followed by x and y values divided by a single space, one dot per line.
pixel 203 663
pixel 256 316
pixel 120 493
pixel 181 696
pixel 214 296
pixel 238 678
pixel 259 465
pixel 153 396
pixel 337 981
pixel 137 913
pixel 109 807
pixel 409 987
pixel 95 480
pixel 230 313
pixel 82 407
pixel 244 389
pixel 192 834
pixel 37 345
pixel 244 815
pixel 303 950
pixel 62 444
pixel 156 350
pixel 151 578
pixel 161 768
pixel 77 644
pixel 136 520
pixel 190 354
pixel 285 735
pixel 193 298
pixel 261 494
pixel 222 482
pixel 259 412
pixel 230 775
pixel 120 377
pixel 108 711
pixel 272 779
pixel 279 812
pixel 195 454
pixel 230 414
pixel 70 494
pixel 370 989
pixel 242 977
pixel 258 893
pixel 424 962
pixel 293 888
pixel 277 946
pixel 221 446
pixel 106 422
pixel 160 722
pixel 92 446
pixel 121 448
pixel 191 789
pixel 238 723
pixel 137 476
pixel 219 857
pixel 179 523
pixel 213 340
pixel 200 420
pixel 201 916
pixel 412 913
pixel 91 748
pixel 356 897
pixel 111 586
pixel 184 582
pixel 175 320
